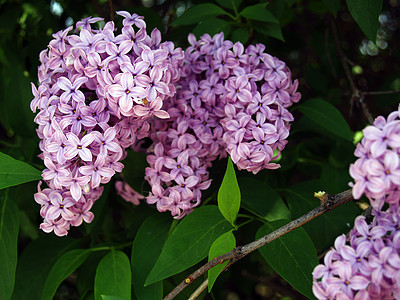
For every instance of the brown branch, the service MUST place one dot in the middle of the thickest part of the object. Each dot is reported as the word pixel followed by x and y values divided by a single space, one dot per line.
pixel 110 4
pixel 381 92
pixel 328 202
pixel 199 290
pixel 357 95
pixel 328 55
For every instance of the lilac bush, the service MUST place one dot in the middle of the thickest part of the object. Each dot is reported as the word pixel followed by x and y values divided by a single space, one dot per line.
pixel 96 92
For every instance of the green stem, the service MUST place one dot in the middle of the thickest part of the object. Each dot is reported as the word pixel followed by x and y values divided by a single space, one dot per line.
pixel 207 200
pixel 173 226
pixel 244 223
pixel 245 216
pixel 103 248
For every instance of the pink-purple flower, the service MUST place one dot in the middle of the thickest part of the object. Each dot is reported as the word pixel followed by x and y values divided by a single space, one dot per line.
pixel 88 96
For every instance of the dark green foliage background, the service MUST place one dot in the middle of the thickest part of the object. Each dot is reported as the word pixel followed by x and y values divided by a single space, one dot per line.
pixel 317 157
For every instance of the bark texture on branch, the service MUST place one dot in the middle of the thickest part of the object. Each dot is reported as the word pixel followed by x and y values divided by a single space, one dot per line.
pixel 328 202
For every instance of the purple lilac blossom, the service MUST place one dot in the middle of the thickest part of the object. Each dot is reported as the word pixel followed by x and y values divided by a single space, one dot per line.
pixel 97 90
pixel 366 264
pixel 376 172
pixel 229 100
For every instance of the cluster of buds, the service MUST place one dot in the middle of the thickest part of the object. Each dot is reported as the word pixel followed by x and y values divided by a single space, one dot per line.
pixel 96 93
pixel 366 264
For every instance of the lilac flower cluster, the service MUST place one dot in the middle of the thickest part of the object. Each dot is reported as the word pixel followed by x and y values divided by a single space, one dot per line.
pixel 100 93
pixel 96 92
pixel 377 170
pixel 229 99
pixel 366 265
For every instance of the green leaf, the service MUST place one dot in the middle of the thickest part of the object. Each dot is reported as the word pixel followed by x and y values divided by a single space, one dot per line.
pixel 260 199
pixel 229 194
pixel 189 242
pixel 272 30
pixel 335 179
pixel 366 14
pixel 28 227
pixel 240 35
pixel 324 229
pixel 223 244
pixel 292 256
pixel 145 251
pixel 199 12
pixel 333 6
pixel 230 4
pixel 35 263
pixel 212 26
pixel 277 7
pixel 327 116
pixel 152 17
pixel 14 172
pixel 258 12
pixel 108 297
pixel 99 209
pixel 63 267
pixel 135 164
pixel 113 277
pixel 87 272
pixel 9 223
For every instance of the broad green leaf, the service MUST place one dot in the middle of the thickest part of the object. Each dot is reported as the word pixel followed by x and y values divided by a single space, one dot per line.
pixel 366 14
pixel 27 227
pixel 63 267
pixel 333 6
pixel 189 242
pixel 240 35
pixel 199 12
pixel 336 180
pixel 223 244
pixel 145 250
pixel 134 167
pixel 230 4
pixel 14 172
pixel 327 116
pixel 229 194
pixel 292 256
pixel 258 12
pixel 113 277
pixel 35 263
pixel 324 229
pixel 152 17
pixel 87 272
pixel 277 7
pixel 108 297
pixel 272 30
pixel 212 26
pixel 260 199
pixel 9 223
